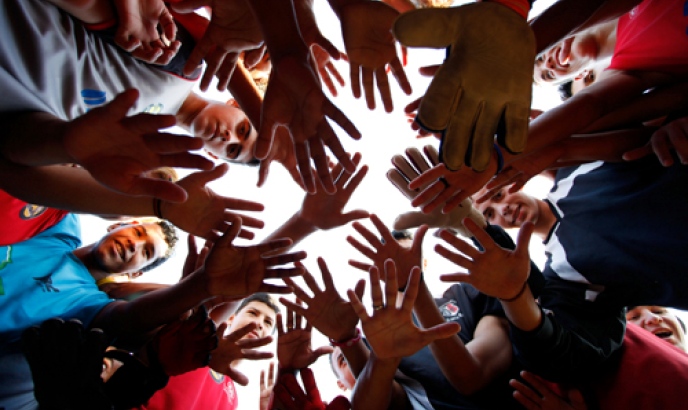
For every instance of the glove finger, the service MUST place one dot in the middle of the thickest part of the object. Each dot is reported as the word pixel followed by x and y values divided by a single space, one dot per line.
pixel 515 134
pixel 434 28
pixel 483 136
pixel 456 138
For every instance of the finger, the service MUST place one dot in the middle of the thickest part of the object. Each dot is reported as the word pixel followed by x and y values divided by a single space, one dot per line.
pixel 285 258
pixel 293 306
pixel 360 265
pixel 454 201
pixel 411 291
pixel 330 139
pixel 432 154
pixel 417 160
pixel 356 180
pixel 165 190
pixel 327 80
pixel 186 160
pixel 253 343
pixel 372 239
pixel 400 76
pixel 368 82
pixel 537 383
pixel 326 275
pixel 354 215
pixel 354 76
pixel 401 183
pixel 455 258
pixel 236 376
pixel 214 61
pixel 225 71
pixel 441 331
pixel 383 88
pixel 637 153
pixel 148 123
pixel 302 154
pixel 413 106
pixel 310 281
pixel 337 75
pixel 480 235
pixel 391 287
pixel 283 273
pixel 459 244
pixel 356 304
pixel 230 233
pixel 311 388
pixel 336 115
pixel 375 288
pixel 169 29
pixel 265 137
pixel 382 230
pixel 662 148
pixel 330 48
pixel 525 395
pixel 317 151
pixel 298 322
pixel 523 240
pixel 273 245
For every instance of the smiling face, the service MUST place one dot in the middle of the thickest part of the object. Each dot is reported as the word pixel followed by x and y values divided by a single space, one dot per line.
pixel 509 210
pixel 254 312
pixel 566 59
pixel 130 248
pixel 345 379
pixel 659 321
pixel 226 131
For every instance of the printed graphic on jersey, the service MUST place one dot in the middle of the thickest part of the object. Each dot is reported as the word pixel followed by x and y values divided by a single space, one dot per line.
pixel 450 310
pixel 93 98
pixel 31 211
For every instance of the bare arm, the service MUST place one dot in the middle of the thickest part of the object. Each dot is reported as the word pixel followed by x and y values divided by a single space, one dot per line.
pixel 375 386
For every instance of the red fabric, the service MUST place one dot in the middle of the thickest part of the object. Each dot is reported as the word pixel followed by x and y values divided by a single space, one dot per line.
pixel 652 374
pixel 201 389
pixel 21 221
pixel 653 37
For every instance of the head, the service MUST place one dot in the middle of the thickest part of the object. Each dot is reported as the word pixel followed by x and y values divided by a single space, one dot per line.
pixel 134 247
pixel 258 308
pixel 226 132
pixel 566 59
pixel 510 210
pixel 661 322
pixel 340 368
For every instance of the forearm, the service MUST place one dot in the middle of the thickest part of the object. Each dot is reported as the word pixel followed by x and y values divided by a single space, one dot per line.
pixel 295 228
pixel 462 370
pixel 375 386
pixel 280 30
pixel 69 188
pixel 154 308
pixel 34 138
pixel 605 146
pixel 246 93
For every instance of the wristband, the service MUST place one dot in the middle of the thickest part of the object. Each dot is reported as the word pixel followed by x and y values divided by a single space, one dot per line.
pixel 518 295
pixel 156 207
pixel 347 342
pixel 500 159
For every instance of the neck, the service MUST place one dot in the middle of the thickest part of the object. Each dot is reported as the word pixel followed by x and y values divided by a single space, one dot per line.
pixel 85 255
pixel 192 106
pixel 546 220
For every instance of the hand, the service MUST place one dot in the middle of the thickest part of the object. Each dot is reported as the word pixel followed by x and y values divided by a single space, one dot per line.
pixel 66 362
pixel 390 330
pixel 366 29
pixel 324 210
pixel 326 68
pixel 412 107
pixel 522 170
pixel 672 136
pixel 485 81
pixel 294 349
pixel 496 272
pixel 281 151
pixel 406 258
pixel 185 345
pixel 295 100
pixel 232 29
pixel 327 310
pixel 236 271
pixel 541 397
pixel 117 149
pixel 266 387
pixel 235 347
pixel 408 169
pixel 137 32
pixel 205 213
pixel 293 397
pixel 440 186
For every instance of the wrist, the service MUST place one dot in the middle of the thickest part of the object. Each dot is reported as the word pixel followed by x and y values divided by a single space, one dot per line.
pixel 517 296
pixel 347 341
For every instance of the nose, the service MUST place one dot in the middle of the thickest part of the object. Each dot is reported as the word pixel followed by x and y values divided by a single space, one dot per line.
pixel 650 318
pixel 130 245
pixel 549 63
pixel 506 210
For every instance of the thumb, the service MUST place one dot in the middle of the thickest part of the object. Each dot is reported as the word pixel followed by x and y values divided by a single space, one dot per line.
pixel 265 138
pixel 263 171
pixel 120 105
pixel 203 177
pixel 441 331
pixel 414 219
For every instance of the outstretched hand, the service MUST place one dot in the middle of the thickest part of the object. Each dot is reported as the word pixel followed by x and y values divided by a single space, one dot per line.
pixel 496 272
pixel 292 396
pixel 325 210
pixel 332 315
pixel 235 346
pixel 236 271
pixel 138 31
pixel 295 100
pixel 409 168
pixel 371 48
pixel 406 258
pixel 205 213
pixel 117 149
pixel 294 350
pixel 542 397
pixel 483 87
pixel 390 329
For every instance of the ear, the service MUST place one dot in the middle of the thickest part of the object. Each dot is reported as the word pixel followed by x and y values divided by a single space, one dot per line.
pixel 233 103
pixel 341 385
pixel 211 155
pixel 135 275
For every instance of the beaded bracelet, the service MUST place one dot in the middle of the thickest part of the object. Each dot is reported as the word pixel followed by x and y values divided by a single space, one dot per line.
pixel 348 342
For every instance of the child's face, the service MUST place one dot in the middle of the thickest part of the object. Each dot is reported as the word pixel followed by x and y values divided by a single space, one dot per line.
pixel 254 312
pixel 227 132
pixel 659 321
pixel 510 210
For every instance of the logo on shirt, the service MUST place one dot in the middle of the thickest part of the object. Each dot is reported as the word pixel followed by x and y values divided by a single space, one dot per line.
pixel 46 282
pixel 31 211
pixel 154 108
pixel 450 311
pixel 93 98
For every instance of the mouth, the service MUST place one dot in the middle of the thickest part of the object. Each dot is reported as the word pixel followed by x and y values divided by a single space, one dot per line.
pixel 663 333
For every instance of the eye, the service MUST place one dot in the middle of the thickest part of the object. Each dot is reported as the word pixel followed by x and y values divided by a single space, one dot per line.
pixel 137 233
pixel 498 195
pixel 147 253
pixel 632 317
pixel 540 58
pixel 488 214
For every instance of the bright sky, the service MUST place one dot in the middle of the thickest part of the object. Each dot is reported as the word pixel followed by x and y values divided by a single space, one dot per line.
pixel 384 135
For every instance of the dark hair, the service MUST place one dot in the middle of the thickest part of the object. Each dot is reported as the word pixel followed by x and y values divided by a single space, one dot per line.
pixel 565 90
pixel 253 162
pixel 171 239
